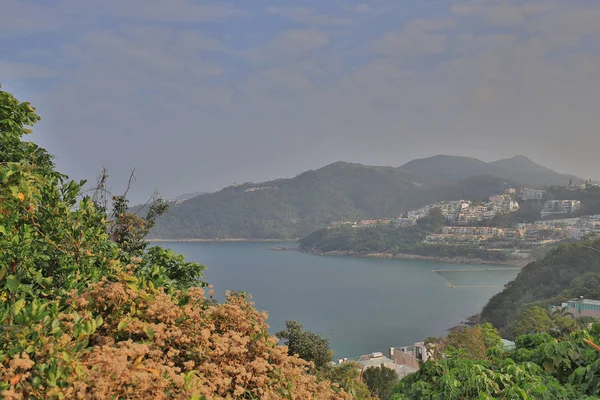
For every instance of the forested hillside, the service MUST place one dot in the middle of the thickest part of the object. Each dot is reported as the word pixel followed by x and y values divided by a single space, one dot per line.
pixel 288 208
pixel 571 270
pixel 292 208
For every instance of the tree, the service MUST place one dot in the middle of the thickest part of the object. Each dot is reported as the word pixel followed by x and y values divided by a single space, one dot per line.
pixel 307 345
pixel 472 342
pixel 381 381
pixel 533 320
pixel 347 377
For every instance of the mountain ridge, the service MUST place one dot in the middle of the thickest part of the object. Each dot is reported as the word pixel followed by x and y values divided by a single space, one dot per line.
pixel 293 207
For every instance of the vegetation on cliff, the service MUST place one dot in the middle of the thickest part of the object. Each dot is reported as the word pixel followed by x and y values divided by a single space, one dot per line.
pixel 569 271
pixel 475 365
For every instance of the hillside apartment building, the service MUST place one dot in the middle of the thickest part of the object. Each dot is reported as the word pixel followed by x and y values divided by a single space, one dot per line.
pixel 554 207
pixel 531 194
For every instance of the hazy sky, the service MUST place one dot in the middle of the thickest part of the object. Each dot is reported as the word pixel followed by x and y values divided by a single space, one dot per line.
pixel 198 95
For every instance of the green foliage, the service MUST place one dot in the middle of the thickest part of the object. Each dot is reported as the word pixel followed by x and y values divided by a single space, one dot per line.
pixel 307 345
pixel 380 381
pixel 533 320
pixel 540 367
pixel 16 118
pixel 569 271
pixel 169 269
pixel 347 377
pixel 128 229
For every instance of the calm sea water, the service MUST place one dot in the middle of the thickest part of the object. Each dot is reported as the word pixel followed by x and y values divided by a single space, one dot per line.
pixel 362 305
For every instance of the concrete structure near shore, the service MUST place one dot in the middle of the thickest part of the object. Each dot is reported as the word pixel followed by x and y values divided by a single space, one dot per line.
pixel 379 360
pixel 580 307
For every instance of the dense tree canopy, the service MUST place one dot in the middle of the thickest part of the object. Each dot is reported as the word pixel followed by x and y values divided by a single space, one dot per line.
pixel 380 381
pixel 540 367
pixel 307 345
pixel 532 320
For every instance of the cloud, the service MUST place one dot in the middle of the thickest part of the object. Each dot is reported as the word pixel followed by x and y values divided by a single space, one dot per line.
pixel 504 13
pixel 423 36
pixel 307 16
pixel 156 10
pixel 289 45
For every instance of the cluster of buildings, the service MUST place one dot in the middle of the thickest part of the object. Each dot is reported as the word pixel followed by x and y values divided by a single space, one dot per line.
pixel 463 212
pixel 532 194
pixel 573 228
pixel 526 234
pixel 474 234
pixel 583 185
pixel 463 216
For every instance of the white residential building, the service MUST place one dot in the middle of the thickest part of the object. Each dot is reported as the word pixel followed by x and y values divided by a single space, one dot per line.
pixel 553 207
pixel 532 194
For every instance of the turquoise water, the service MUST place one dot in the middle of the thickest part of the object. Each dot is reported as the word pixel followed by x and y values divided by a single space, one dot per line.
pixel 361 305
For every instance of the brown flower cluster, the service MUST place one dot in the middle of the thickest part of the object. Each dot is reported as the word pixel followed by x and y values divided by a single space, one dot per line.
pixel 154 345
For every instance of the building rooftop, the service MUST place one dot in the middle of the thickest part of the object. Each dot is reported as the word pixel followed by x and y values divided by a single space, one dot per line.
pixel 365 361
pixel 587 301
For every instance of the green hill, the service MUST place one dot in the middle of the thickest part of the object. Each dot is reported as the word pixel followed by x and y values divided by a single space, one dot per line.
pixel 292 208
pixel 288 208
pixel 570 271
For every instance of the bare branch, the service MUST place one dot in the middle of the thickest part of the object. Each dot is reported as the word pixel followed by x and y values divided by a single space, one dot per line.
pixel 131 178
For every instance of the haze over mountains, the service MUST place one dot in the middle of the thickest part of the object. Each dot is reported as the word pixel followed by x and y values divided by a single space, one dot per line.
pixel 291 208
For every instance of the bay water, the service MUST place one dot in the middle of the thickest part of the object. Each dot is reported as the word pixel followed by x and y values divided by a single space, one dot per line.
pixel 361 305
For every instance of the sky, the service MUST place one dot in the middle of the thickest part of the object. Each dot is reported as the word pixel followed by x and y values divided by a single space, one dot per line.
pixel 198 95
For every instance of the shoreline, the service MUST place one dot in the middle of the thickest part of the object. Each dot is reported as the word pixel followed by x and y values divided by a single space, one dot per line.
pixel 241 240
pixel 401 256
pixel 405 256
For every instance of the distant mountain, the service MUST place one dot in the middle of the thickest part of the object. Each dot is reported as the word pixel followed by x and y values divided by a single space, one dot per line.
pixel 520 169
pixel 291 208
pixel 445 169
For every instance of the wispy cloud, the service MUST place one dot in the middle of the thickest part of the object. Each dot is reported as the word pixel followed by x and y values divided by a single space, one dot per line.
pixel 155 10
pixel 307 16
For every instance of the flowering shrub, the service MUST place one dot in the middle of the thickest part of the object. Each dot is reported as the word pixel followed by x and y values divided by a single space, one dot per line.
pixel 87 312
